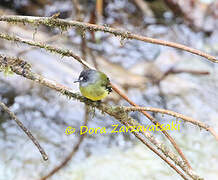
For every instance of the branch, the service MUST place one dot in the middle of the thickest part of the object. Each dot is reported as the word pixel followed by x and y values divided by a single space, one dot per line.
pixel 28 133
pixel 177 115
pixel 154 122
pixel 49 48
pixel 137 134
pixel 64 24
pixel 177 71
pixel 116 112
pixel 74 150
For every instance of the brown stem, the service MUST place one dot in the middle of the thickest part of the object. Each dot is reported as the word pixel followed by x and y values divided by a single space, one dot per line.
pixel 28 133
pixel 74 150
pixel 137 134
pixel 177 115
pixel 53 22
pixel 155 122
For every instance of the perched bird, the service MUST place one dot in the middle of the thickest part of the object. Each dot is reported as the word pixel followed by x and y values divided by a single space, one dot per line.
pixel 94 85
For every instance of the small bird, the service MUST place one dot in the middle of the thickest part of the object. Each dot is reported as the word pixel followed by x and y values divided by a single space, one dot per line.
pixel 94 85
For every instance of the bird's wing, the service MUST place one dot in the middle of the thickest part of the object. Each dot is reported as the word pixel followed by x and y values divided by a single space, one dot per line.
pixel 106 82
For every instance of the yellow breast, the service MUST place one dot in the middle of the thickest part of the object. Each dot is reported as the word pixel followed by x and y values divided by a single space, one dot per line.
pixel 94 93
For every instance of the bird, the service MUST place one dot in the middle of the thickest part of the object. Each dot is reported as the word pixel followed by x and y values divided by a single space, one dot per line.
pixel 93 84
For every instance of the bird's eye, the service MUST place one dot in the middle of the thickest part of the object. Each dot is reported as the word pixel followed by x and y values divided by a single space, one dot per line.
pixel 82 78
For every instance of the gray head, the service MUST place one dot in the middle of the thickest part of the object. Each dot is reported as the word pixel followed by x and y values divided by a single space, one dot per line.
pixel 87 77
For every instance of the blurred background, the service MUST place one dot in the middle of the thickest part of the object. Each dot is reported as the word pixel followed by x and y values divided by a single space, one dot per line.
pixel 150 75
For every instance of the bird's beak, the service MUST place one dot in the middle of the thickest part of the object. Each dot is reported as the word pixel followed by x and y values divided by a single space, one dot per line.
pixel 76 81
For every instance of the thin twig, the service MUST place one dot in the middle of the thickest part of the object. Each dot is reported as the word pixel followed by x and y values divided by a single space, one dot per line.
pixel 177 71
pixel 63 24
pixel 77 10
pixel 62 52
pixel 137 134
pixel 154 122
pixel 28 133
pixel 72 153
pixel 177 115
pixel 194 72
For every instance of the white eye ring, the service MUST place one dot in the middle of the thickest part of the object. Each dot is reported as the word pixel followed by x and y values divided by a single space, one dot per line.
pixel 81 78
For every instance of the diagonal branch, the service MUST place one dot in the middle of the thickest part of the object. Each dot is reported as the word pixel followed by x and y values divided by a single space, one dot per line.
pixel 49 48
pixel 74 150
pixel 64 24
pixel 140 137
pixel 177 115
pixel 156 123
pixel 28 133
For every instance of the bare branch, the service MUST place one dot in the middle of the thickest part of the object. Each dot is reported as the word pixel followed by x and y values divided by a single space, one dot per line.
pixel 143 140
pixel 156 123
pixel 62 52
pixel 74 150
pixel 64 24
pixel 177 115
pixel 28 133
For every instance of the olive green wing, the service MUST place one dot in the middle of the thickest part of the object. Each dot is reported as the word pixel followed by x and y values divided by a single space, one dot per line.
pixel 106 82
